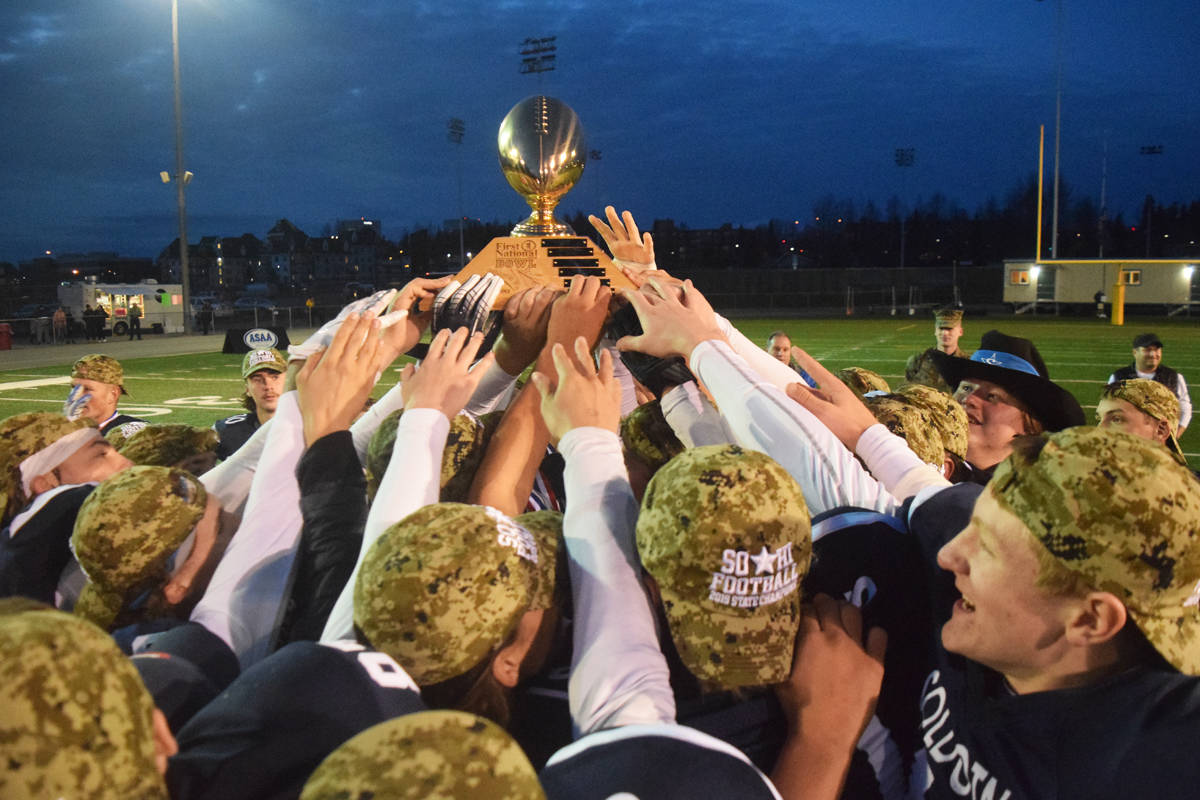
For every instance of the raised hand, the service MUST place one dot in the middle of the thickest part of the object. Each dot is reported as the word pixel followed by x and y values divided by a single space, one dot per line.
pixel 673 322
pixel 834 404
pixel 583 396
pixel 579 312
pixel 523 331
pixel 624 242
pixel 335 381
pixel 373 306
pixel 402 328
pixel 445 380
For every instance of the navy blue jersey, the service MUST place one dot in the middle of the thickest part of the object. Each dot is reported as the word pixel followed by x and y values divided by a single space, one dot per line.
pixel 265 734
pixel 233 432
pixel 1123 737
pixel 33 555
pixel 652 761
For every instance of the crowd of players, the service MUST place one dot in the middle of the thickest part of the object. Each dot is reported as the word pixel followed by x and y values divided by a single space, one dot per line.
pixel 669 564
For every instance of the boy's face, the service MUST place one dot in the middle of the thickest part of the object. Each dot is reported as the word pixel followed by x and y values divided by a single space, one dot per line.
pixel 1003 620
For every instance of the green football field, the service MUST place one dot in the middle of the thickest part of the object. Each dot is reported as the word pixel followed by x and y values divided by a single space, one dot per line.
pixel 201 388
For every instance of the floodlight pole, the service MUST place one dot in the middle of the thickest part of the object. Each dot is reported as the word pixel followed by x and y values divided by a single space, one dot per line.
pixel 538 56
pixel 180 180
pixel 905 157
pixel 455 130
pixel 1149 150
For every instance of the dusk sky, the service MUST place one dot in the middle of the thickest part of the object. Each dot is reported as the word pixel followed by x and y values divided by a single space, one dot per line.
pixel 704 111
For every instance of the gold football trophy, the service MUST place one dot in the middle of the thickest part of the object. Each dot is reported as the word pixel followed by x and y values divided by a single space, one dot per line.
pixel 542 154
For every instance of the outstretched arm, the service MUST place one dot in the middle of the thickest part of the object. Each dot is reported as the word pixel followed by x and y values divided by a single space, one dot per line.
pixel 618 673
pixel 433 393
pixel 509 468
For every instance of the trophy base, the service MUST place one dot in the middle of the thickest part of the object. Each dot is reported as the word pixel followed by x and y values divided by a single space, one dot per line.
pixel 537 226
pixel 528 261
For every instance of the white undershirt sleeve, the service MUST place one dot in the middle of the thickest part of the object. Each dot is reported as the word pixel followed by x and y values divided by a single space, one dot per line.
pixel 770 368
pixel 244 600
pixel 693 418
pixel 618 673
pixel 1185 403
pixel 365 426
pixel 893 463
pixel 411 481
pixel 763 418
pixel 494 391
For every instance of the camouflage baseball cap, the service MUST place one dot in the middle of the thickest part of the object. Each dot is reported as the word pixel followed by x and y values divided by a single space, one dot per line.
pixel 126 532
pixel 75 719
pixel 862 380
pixel 100 368
pixel 445 586
pixel 1120 513
pixel 725 533
pixel 118 435
pixel 1154 399
pixel 24 435
pixel 466 443
pixel 911 422
pixel 947 317
pixel 646 433
pixel 167 445
pixel 442 754
pixel 947 416
pixel 554 585
pixel 266 358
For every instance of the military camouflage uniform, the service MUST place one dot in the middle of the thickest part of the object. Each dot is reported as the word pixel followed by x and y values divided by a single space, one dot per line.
pixel 920 369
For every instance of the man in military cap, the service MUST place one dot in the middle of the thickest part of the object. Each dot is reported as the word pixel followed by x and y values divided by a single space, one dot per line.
pixel 97 383
pixel 947 330
pixel 1143 408
pixel 263 372
pixel 1147 363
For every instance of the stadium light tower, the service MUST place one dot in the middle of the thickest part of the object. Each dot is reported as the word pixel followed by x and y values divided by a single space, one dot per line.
pixel 455 130
pixel 1149 150
pixel 905 157
pixel 182 177
pixel 538 55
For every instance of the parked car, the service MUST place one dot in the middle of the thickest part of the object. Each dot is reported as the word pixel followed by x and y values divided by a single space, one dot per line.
pixel 248 303
pixel 34 310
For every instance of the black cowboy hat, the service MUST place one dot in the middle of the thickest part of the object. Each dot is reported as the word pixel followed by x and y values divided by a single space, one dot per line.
pixel 1015 364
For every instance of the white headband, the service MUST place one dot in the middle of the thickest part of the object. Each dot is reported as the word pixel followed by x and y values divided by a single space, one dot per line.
pixel 50 457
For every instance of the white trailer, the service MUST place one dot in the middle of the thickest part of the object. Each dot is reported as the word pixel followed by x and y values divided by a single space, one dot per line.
pixel 160 303
pixel 1174 283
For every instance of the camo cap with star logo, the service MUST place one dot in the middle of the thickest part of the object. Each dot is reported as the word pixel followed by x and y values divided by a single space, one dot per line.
pixel 725 533
pixel 444 587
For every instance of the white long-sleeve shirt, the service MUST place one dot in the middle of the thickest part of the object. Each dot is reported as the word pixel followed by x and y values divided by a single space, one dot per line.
pixel 411 481
pixel 243 603
pixel 618 673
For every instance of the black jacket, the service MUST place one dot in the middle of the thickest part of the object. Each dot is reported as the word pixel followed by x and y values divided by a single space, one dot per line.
pixel 333 502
